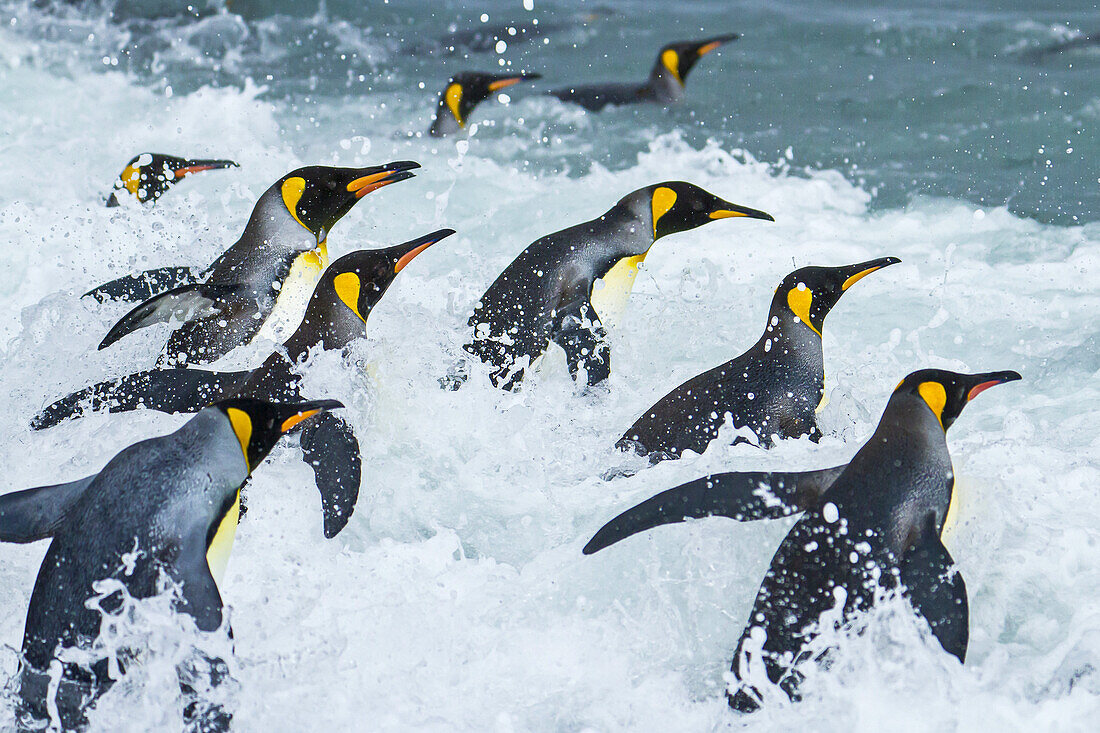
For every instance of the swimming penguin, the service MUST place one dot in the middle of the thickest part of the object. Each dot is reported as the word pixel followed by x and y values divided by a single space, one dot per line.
pixel 774 388
pixel 872 523
pixel 162 509
pixel 336 316
pixel 664 86
pixel 562 286
pixel 149 175
pixel 278 258
pixel 464 92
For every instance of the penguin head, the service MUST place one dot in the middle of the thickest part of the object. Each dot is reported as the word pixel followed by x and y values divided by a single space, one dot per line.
pixel 358 280
pixel 149 175
pixel 677 59
pixel 676 206
pixel 259 424
pixel 809 293
pixel 317 196
pixel 466 90
pixel 946 393
pixel 347 291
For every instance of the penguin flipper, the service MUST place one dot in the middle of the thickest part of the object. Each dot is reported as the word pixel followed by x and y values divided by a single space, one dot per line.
pixel 35 514
pixel 937 591
pixel 331 449
pixel 140 287
pixel 183 303
pixel 164 390
pixel 581 334
pixel 745 497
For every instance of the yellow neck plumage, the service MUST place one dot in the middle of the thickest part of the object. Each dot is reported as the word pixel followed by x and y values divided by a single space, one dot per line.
pixel 217 554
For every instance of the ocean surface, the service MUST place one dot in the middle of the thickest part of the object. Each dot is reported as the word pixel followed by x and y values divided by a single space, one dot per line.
pixel 948 134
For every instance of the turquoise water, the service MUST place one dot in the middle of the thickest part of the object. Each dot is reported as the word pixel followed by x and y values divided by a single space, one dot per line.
pixel 457 598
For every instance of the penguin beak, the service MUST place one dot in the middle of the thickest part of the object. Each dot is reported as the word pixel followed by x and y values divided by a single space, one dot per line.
pixel 496 86
pixel 728 210
pixel 982 382
pixel 198 166
pixel 416 246
pixel 376 177
pixel 715 42
pixel 855 273
pixel 306 410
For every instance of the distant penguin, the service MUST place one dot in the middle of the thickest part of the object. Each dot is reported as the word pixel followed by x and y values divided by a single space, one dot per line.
pixel 162 509
pixel 336 316
pixel 664 86
pixel 561 287
pixel 872 523
pixel 774 388
pixel 1041 53
pixel 464 92
pixel 149 175
pixel 272 267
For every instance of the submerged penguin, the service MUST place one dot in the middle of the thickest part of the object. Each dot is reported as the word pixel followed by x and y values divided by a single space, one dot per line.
pixel 336 316
pixel 464 92
pixel 564 285
pixel 774 388
pixel 274 265
pixel 161 513
pixel 149 175
pixel 664 86
pixel 875 522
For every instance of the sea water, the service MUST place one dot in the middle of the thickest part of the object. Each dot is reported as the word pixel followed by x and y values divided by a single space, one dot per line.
pixel 458 598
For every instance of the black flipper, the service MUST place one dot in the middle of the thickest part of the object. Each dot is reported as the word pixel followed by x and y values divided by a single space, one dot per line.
pixel 199 598
pixel 35 514
pixel 140 287
pixel 937 591
pixel 582 336
pixel 331 449
pixel 183 303
pixel 164 390
pixel 742 496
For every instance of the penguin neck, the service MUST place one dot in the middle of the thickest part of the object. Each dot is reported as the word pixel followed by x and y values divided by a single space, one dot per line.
pixel 663 85
pixel 330 324
pixel 444 123
pixel 271 226
pixel 902 474
pixel 788 339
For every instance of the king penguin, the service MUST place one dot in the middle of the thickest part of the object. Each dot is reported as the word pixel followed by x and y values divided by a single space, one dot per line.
pixel 270 269
pixel 664 86
pixel 562 286
pixel 875 522
pixel 336 315
pixel 162 509
pixel 464 92
pixel 148 175
pixel 774 388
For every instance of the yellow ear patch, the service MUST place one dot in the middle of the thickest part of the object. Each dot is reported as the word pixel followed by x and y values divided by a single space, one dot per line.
pixel 242 426
pixel 799 300
pixel 347 286
pixel 935 396
pixel 453 96
pixel 131 178
pixel 663 199
pixel 671 60
pixel 292 191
